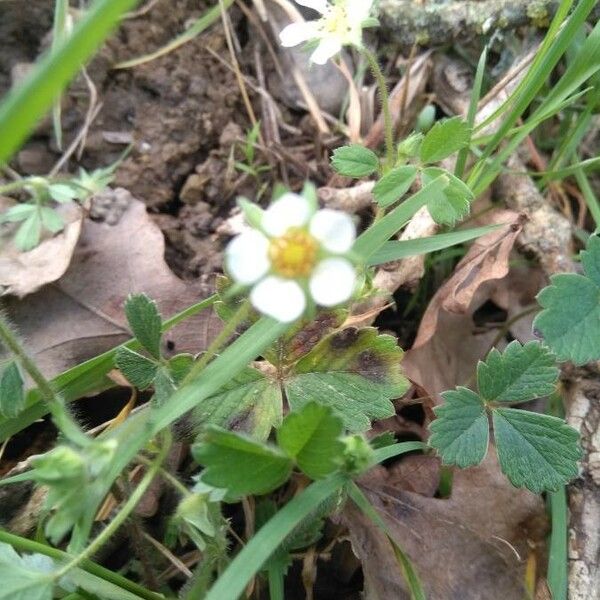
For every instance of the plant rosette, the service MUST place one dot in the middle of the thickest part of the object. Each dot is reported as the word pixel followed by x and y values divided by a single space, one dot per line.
pixel 341 24
pixel 293 256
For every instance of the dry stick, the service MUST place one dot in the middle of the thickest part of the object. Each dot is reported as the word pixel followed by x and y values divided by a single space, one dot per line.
pixel 236 67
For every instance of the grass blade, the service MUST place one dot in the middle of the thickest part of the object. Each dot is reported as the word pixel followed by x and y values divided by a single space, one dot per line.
pixel 404 248
pixel 374 237
pixel 29 101
pixel 557 559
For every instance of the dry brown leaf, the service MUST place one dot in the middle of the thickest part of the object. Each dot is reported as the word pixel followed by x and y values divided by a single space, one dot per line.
pixel 23 273
pixel 82 315
pixel 486 260
pixel 472 546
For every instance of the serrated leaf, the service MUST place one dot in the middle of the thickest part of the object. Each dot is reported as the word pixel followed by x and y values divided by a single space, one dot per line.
pixel 460 432
pixel 444 138
pixel 311 437
pixel 519 374
pixel 12 396
pixel 535 451
pixel 26 577
pixel 240 464
pixel 137 369
pixel 164 386
pixel 452 203
pixel 28 234
pixel 179 366
pixel 393 185
pixel 354 161
pixel 570 321
pixel 51 220
pixel 145 322
pixel 18 212
pixel 250 402
pixel 354 371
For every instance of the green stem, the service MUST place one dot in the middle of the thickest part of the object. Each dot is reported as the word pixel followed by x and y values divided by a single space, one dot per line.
pixel 125 511
pixel 60 414
pixel 221 339
pixel 385 105
pixel 25 545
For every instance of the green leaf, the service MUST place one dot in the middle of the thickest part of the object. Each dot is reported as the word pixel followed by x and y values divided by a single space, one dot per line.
pixel 354 371
pixel 240 464
pixel 62 192
pixel 354 161
pixel 12 396
pixel 252 212
pixel 137 369
pixel 145 322
pixel 453 202
pixel 519 374
pixel 444 138
pixel 51 220
pixel 535 451
pixel 250 402
pixel 28 234
pixel 179 366
pixel 18 212
pixel 460 433
pixel 26 577
pixel 164 386
pixel 393 185
pixel 570 321
pixel 311 437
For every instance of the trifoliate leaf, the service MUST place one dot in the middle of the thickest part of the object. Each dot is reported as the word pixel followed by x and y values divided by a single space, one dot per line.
pixel 354 371
pixel 18 212
pixel 240 464
pixel 145 322
pixel 354 161
pixel 535 451
pixel 450 204
pixel 444 138
pixel 12 397
pixel 460 432
pixel 28 234
pixel 250 402
pixel 137 369
pixel 519 374
pixel 311 437
pixel 26 577
pixel 570 321
pixel 393 185
pixel 51 220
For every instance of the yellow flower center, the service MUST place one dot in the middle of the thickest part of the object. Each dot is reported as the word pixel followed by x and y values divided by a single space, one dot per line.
pixel 336 21
pixel 293 254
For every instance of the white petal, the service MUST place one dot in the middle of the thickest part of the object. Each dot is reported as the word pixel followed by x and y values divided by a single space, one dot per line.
pixel 279 298
pixel 327 48
pixel 319 5
pixel 247 257
pixel 334 229
pixel 332 282
pixel 358 10
pixel 296 33
pixel 291 210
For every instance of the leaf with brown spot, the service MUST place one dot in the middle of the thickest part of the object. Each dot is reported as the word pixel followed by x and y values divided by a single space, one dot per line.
pixel 354 371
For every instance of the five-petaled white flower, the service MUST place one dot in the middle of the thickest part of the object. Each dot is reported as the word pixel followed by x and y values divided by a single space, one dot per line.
pixel 294 256
pixel 341 24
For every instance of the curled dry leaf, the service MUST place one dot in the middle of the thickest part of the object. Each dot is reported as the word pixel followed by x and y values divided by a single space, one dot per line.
pixel 486 260
pixel 82 314
pixel 468 546
pixel 23 273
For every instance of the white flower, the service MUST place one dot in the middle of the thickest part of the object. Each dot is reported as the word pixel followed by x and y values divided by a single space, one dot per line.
pixel 295 256
pixel 341 24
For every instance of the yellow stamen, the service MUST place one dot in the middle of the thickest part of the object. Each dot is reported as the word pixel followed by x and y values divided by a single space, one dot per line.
pixel 293 254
